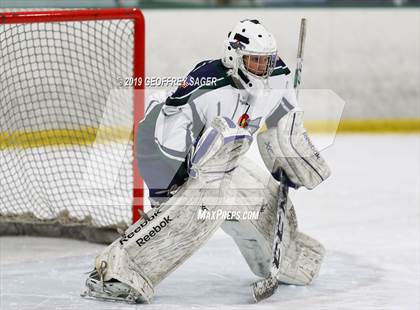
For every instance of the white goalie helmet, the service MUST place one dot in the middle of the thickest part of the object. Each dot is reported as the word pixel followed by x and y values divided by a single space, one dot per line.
pixel 251 52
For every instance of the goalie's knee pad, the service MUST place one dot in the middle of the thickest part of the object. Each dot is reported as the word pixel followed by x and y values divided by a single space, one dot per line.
pixel 288 147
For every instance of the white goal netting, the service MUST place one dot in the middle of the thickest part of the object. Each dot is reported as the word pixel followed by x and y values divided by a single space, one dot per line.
pixel 65 124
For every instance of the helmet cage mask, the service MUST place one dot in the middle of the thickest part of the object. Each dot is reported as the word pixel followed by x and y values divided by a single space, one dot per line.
pixel 266 61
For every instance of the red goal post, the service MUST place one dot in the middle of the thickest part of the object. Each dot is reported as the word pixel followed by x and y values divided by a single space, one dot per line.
pixel 138 67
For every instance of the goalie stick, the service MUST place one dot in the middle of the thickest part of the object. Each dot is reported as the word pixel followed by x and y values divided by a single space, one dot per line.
pixel 299 58
pixel 265 288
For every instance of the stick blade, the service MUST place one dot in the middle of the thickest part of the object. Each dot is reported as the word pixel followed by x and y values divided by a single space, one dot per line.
pixel 264 288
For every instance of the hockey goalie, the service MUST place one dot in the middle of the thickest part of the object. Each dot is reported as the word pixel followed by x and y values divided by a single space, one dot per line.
pixel 191 147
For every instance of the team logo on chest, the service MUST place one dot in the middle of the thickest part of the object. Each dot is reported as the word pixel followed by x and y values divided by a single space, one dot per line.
pixel 243 120
pixel 252 125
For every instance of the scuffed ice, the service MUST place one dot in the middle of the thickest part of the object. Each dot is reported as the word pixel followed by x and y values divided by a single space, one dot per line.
pixel 366 215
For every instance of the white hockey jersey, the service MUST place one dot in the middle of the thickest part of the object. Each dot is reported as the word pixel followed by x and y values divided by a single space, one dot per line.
pixel 213 93
pixel 171 127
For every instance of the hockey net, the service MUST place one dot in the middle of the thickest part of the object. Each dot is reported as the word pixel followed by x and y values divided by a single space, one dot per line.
pixel 67 163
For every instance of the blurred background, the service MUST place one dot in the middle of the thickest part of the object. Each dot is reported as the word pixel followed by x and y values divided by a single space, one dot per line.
pixel 365 53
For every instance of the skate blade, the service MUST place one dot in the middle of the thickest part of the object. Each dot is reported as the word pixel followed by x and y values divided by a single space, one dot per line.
pixel 92 295
pixel 95 290
pixel 95 296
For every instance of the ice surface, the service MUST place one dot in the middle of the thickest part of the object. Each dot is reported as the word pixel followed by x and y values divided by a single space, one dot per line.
pixel 366 215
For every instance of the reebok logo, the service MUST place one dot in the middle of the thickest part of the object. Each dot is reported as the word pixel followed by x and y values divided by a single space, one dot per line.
pixel 125 238
pixel 154 231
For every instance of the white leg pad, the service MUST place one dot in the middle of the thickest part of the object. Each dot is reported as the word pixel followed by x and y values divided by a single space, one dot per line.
pixel 303 257
pixel 302 261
